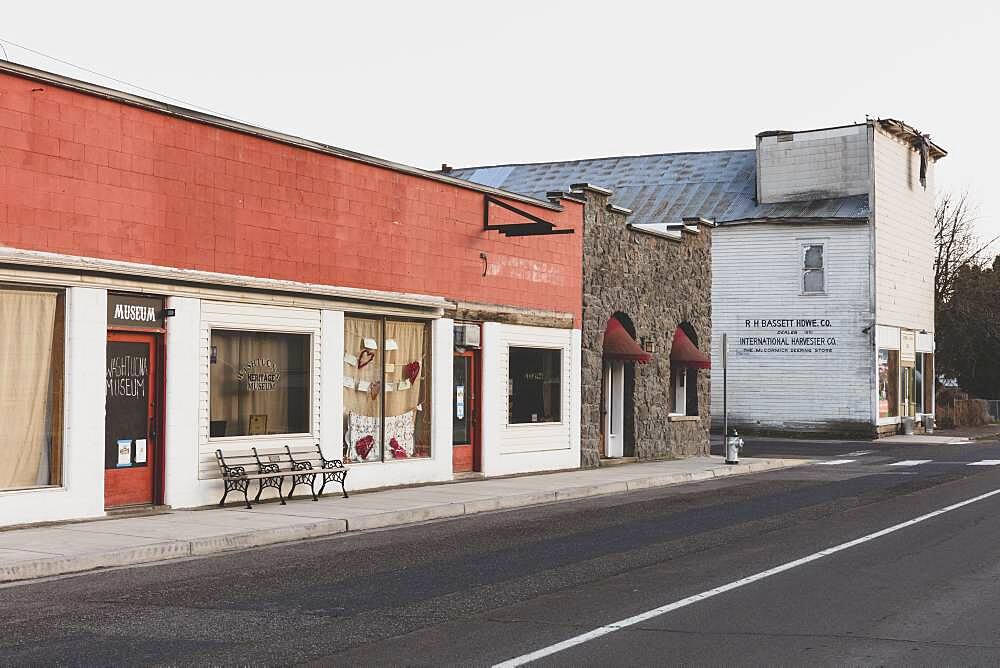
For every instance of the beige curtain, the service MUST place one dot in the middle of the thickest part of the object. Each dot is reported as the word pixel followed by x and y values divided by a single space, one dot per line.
pixel 412 343
pixel 361 402
pixel 233 403
pixel 27 325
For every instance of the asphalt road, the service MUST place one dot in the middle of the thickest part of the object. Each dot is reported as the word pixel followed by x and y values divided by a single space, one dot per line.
pixel 483 589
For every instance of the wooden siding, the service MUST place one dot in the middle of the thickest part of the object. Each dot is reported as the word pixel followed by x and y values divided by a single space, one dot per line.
pixel 757 275
pixel 814 164
pixel 904 237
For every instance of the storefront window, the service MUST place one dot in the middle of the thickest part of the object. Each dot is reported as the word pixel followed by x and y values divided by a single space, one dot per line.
pixel 918 382
pixel 386 389
pixel 888 383
pixel 32 345
pixel 259 383
pixel 928 382
pixel 534 385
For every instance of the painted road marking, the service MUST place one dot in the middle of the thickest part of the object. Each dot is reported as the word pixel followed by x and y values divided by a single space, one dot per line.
pixel 690 600
pixel 835 462
pixel 912 462
pixel 986 462
pixel 858 453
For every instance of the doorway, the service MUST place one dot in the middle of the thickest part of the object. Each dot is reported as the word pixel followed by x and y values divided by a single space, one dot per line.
pixel 131 435
pixel 614 408
pixel 465 453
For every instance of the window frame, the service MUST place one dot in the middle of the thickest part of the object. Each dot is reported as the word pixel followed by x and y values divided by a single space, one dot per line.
pixel 804 247
pixel 562 382
pixel 310 417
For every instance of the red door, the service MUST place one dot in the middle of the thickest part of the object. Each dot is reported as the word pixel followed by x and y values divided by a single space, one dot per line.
pixel 465 454
pixel 130 437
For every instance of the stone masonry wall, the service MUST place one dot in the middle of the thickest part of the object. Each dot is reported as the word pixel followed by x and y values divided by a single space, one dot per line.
pixel 658 283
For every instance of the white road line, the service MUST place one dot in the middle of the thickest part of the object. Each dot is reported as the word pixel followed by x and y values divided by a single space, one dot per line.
pixel 684 602
pixel 858 453
pixel 986 462
pixel 835 462
pixel 912 462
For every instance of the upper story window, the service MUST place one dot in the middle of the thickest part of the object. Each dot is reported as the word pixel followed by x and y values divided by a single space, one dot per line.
pixel 813 269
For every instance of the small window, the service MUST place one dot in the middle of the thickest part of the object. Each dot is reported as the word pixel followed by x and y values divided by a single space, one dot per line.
pixel 535 385
pixel 259 383
pixel 813 278
pixel 684 390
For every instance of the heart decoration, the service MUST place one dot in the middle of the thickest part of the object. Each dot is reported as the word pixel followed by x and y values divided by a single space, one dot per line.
pixel 398 451
pixel 411 371
pixel 364 446
pixel 373 391
pixel 365 358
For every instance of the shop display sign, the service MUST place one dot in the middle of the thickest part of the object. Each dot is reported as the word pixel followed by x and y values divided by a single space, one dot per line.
pixel 259 375
pixel 907 347
pixel 135 311
pixel 787 335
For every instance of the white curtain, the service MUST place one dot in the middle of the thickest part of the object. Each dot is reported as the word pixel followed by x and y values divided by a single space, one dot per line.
pixel 27 324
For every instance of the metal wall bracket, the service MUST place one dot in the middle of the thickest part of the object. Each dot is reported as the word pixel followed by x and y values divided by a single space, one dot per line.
pixel 537 227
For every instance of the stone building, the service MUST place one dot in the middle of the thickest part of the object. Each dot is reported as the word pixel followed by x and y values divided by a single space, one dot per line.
pixel 647 317
pixel 822 275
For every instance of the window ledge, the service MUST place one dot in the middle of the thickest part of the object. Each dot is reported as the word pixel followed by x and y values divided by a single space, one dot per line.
pixel 683 418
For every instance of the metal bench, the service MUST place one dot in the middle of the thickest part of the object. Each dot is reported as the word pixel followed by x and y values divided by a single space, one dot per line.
pixel 270 468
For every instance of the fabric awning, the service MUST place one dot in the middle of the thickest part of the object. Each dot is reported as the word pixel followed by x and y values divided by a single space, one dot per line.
pixel 619 344
pixel 683 351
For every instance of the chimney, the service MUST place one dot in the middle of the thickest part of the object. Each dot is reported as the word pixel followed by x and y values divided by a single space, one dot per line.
pixel 446 168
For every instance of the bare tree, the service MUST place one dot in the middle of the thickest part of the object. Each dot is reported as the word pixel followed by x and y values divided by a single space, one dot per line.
pixel 956 243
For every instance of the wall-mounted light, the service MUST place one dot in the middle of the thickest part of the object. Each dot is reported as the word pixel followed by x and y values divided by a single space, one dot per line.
pixel 648 345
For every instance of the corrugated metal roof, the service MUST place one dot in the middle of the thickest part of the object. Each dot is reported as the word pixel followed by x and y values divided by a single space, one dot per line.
pixel 665 188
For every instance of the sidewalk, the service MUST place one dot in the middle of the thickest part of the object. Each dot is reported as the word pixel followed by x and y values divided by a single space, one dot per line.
pixel 82 546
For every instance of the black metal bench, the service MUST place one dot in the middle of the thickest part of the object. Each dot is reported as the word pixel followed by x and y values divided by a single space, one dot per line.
pixel 270 468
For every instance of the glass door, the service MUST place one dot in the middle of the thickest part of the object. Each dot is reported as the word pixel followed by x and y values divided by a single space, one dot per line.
pixel 465 419
pixel 130 435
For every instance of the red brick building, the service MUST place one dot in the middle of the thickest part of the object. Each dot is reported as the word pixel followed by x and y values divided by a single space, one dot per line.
pixel 172 284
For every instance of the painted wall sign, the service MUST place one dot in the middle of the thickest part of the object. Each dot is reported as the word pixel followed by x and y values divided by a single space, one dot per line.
pixel 786 336
pixel 135 311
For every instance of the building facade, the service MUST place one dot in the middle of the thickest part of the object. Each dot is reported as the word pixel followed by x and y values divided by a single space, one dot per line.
pixel 174 284
pixel 821 274
pixel 826 291
pixel 646 318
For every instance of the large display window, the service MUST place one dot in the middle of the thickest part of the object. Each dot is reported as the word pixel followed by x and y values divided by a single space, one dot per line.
pixel 534 385
pixel 259 384
pixel 32 352
pixel 387 412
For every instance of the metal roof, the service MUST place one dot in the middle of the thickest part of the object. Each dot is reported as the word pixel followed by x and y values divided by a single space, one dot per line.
pixel 666 188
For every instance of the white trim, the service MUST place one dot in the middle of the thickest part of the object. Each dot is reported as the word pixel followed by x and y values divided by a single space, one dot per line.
pixel 58 261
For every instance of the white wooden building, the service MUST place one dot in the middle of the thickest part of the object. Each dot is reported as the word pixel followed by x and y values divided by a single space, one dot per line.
pixel 825 288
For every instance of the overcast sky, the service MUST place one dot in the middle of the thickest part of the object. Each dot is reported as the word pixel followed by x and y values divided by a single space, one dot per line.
pixel 471 83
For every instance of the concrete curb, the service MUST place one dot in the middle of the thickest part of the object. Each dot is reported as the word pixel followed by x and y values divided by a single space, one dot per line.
pixel 175 549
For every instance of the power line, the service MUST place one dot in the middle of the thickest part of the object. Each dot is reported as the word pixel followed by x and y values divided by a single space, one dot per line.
pixel 120 81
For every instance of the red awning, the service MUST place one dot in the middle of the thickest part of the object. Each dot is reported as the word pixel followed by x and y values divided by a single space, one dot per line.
pixel 619 344
pixel 683 351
